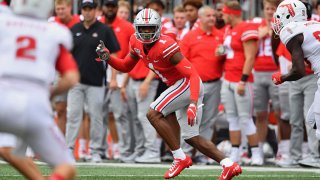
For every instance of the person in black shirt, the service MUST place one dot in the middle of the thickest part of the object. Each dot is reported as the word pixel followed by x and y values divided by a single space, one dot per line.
pixel 91 89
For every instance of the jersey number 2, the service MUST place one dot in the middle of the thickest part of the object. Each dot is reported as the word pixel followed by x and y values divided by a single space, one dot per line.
pixel 26 48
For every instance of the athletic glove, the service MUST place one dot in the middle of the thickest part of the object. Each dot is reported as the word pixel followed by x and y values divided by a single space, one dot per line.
pixel 192 114
pixel 103 52
pixel 276 78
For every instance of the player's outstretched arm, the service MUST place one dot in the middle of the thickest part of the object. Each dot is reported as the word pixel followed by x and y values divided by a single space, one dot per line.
pixel 298 65
pixel 123 65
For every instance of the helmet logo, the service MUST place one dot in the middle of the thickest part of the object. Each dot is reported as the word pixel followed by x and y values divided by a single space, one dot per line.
pixel 290 9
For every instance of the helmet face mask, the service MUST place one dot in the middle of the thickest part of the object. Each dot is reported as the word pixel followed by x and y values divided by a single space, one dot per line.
pixel 148 26
pixel 288 11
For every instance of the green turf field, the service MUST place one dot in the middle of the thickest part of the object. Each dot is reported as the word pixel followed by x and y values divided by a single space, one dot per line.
pixel 132 172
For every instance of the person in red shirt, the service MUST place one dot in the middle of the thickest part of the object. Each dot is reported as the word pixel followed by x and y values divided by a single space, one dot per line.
pixel 241 43
pixel 123 31
pixel 198 46
pixel 184 96
pixel 64 15
pixel 180 20
pixel 191 7
pixel 167 25
pixel 264 89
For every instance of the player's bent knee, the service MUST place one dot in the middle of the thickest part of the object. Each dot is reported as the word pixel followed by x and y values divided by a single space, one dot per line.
pixel 153 115
pixel 191 140
pixel 234 124
pixel 248 127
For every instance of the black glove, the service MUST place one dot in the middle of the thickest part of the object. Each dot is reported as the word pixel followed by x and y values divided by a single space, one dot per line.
pixel 103 52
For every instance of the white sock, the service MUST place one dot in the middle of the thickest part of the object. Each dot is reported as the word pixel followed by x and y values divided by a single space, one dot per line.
pixel 178 154
pixel 256 152
pixel 226 162
pixel 82 144
pixel 115 146
pixel 286 146
pixel 235 154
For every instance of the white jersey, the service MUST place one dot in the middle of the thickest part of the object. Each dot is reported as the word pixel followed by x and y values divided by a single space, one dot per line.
pixel 311 42
pixel 29 48
pixel 5 9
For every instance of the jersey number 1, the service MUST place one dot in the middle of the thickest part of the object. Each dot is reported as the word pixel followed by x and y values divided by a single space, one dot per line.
pixel 26 48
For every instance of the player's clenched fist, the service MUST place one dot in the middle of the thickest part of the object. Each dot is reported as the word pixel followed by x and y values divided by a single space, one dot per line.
pixel 103 52
pixel 276 78
pixel 192 114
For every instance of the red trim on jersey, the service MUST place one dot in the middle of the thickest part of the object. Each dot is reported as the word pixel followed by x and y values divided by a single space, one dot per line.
pixel 227 10
pixel 65 61
pixel 188 71
pixel 123 65
pixel 171 96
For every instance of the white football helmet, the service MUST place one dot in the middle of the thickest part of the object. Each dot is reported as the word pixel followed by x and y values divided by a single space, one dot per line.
pixel 147 17
pixel 288 11
pixel 41 9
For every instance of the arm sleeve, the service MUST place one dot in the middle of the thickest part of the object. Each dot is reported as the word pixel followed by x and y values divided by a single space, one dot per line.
pixel 187 70
pixel 251 32
pixel 65 61
pixel 123 65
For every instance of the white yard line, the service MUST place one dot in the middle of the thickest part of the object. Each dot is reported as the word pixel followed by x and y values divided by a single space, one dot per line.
pixel 194 167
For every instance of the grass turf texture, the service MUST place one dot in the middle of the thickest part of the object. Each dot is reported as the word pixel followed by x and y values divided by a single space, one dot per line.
pixel 132 172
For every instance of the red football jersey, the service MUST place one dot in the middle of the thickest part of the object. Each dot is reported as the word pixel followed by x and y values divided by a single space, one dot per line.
pixel 168 28
pixel 75 19
pixel 157 59
pixel 233 42
pixel 264 60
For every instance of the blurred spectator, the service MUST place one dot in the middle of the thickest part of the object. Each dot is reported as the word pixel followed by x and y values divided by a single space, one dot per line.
pixel 241 42
pixel 91 88
pixel 167 27
pixel 198 46
pixel 180 20
pixel 264 89
pixel 124 10
pixel 191 7
pixel 64 17
pixel 219 17
pixel 118 109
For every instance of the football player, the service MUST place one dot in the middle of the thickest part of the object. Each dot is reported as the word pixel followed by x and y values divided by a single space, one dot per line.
pixel 31 52
pixel 184 96
pixel 301 38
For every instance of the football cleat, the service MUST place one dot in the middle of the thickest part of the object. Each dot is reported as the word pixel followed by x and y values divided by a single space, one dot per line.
pixel 231 171
pixel 177 166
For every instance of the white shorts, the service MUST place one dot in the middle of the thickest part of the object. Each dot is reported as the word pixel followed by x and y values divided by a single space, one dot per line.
pixel 177 99
pixel 25 111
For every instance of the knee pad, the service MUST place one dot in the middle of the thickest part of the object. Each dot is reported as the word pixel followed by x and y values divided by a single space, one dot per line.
pixel 247 126
pixel 234 124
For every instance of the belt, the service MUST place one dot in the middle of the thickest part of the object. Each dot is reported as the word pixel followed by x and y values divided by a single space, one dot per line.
pixel 140 79
pixel 211 81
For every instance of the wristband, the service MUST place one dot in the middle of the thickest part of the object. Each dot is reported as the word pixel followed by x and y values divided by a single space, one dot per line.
pixel 244 77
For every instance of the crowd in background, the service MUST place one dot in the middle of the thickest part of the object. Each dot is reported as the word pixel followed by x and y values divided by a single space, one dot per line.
pixel 252 121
